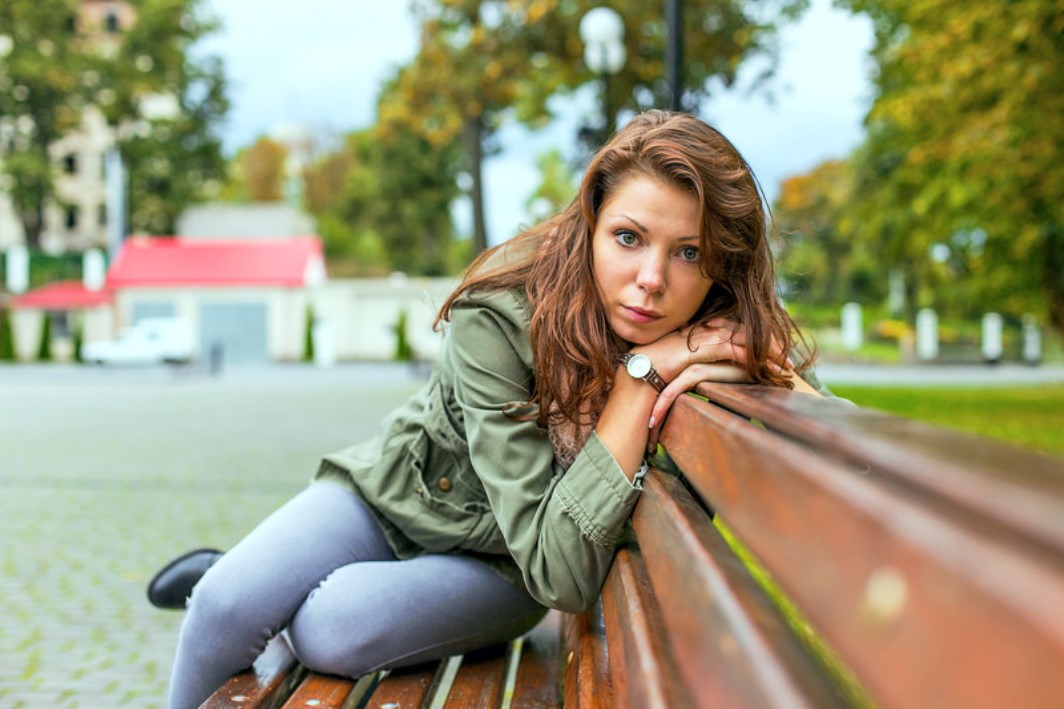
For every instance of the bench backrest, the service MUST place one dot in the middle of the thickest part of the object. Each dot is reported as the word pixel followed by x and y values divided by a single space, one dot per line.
pixel 928 563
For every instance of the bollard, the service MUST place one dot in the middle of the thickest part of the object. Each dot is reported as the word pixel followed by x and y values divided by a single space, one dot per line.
pixel 1032 341
pixel 926 334
pixel 17 268
pixel 992 347
pixel 324 343
pixel 217 358
pixel 93 270
pixel 852 329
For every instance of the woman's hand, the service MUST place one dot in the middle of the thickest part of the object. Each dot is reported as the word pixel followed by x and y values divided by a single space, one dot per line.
pixel 710 352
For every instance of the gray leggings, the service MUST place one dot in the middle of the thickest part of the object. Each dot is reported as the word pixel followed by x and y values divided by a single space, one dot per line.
pixel 320 567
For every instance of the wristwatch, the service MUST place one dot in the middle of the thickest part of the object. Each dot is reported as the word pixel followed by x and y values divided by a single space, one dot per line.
pixel 639 367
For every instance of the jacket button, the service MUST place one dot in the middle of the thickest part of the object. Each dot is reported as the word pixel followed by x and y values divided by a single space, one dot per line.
pixel 419 490
pixel 445 484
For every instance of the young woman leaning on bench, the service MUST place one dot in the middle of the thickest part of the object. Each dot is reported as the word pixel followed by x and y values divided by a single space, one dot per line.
pixel 503 488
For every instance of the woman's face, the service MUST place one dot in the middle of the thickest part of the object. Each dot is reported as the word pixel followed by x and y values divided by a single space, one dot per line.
pixel 646 255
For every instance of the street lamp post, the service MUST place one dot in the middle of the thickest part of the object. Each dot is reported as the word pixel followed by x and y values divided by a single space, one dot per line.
pixel 674 52
pixel 602 32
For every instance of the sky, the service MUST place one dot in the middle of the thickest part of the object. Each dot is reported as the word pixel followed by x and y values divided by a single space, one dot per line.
pixel 319 64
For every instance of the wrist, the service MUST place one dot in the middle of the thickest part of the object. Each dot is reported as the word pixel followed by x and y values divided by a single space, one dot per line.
pixel 639 366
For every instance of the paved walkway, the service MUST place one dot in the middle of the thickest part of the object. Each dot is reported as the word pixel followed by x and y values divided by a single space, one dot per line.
pixel 965 375
pixel 106 474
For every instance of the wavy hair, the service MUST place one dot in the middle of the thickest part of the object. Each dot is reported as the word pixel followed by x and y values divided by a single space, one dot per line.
pixel 576 351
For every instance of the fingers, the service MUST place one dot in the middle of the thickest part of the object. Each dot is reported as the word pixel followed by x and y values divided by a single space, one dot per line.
pixel 720 330
pixel 652 438
pixel 688 379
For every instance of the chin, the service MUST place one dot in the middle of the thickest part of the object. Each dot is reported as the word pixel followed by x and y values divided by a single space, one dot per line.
pixel 638 335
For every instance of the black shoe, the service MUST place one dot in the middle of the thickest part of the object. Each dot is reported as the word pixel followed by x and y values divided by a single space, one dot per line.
pixel 172 586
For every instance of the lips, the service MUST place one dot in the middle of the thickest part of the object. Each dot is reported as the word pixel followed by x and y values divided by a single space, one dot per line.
pixel 640 315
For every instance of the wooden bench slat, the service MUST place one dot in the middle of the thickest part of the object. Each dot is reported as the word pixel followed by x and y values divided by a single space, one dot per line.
pixel 1020 491
pixel 480 679
pixel 634 640
pixel 267 684
pixel 732 646
pixel 329 692
pixel 407 688
pixel 897 588
pixel 536 682
pixel 587 679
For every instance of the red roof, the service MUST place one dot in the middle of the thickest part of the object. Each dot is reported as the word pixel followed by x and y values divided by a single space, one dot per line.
pixel 172 261
pixel 62 295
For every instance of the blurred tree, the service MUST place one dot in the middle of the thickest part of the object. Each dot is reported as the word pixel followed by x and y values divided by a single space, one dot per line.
pixel 43 77
pixel 556 188
pixel 168 102
pixel 163 104
pixel 965 140
pixel 261 171
pixel 479 58
pixel 822 256
pixel 383 202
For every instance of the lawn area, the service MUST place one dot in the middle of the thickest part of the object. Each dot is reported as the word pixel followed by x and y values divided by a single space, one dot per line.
pixel 1030 417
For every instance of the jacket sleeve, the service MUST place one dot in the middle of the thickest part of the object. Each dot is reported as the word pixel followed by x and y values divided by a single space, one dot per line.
pixel 561 528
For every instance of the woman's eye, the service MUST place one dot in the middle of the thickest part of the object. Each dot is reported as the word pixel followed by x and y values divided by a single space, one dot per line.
pixel 689 253
pixel 627 238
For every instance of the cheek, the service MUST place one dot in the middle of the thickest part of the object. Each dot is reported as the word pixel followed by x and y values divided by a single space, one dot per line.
pixel 605 267
pixel 694 293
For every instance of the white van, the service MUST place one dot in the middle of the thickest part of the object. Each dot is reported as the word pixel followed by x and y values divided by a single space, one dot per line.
pixel 148 341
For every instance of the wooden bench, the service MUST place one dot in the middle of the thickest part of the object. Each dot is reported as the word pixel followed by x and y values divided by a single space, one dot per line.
pixel 855 559
pixel 524 672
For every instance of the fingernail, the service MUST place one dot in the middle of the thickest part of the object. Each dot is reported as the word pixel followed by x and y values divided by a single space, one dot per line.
pixel 653 421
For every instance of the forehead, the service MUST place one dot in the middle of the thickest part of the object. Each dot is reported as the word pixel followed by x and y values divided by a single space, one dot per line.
pixel 651 197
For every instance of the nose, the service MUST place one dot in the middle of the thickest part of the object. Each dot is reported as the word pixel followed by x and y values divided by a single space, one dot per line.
pixel 651 275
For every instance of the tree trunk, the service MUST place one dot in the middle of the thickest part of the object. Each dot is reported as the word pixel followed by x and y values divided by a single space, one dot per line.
pixel 31 214
pixel 1053 271
pixel 473 136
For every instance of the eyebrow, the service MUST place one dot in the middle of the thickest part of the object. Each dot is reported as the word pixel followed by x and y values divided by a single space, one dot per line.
pixel 689 237
pixel 634 221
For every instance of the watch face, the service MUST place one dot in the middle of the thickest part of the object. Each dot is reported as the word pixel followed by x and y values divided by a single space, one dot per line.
pixel 638 366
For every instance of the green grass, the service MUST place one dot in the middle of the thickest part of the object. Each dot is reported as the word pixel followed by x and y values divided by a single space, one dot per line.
pixel 1029 417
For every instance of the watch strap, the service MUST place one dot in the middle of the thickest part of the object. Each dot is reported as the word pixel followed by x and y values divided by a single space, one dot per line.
pixel 654 379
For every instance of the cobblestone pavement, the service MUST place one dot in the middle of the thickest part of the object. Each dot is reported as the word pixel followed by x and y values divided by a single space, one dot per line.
pixel 106 474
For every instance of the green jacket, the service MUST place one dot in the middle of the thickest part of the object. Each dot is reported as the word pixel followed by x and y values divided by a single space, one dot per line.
pixel 451 472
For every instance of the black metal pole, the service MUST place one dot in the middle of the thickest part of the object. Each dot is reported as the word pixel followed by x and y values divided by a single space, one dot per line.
pixel 674 53
pixel 607 114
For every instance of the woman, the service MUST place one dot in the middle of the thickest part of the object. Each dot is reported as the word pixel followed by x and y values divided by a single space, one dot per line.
pixel 503 486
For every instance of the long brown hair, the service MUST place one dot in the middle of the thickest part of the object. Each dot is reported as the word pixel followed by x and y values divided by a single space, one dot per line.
pixel 576 352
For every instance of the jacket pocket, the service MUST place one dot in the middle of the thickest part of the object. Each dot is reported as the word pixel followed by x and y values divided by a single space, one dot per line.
pixel 449 508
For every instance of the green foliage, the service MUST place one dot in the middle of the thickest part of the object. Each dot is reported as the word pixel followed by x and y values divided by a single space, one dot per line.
pixel 964 148
pixel 1030 417
pixel 403 351
pixel 42 88
pixel 383 203
pixel 478 61
pixel 48 268
pixel 7 342
pixel 171 160
pixel 308 336
pixel 825 259
pixel 556 188
pixel 44 349
pixel 61 63
pixel 79 336
pixel 257 173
